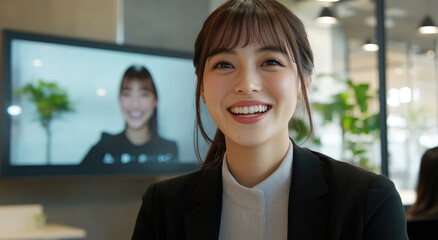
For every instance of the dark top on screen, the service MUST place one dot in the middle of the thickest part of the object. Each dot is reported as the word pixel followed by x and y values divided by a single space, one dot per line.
pixel 118 150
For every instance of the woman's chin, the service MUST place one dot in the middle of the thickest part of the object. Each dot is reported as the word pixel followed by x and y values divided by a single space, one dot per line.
pixel 136 126
pixel 247 141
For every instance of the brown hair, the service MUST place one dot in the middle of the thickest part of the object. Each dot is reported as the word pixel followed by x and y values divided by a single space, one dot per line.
pixel 426 203
pixel 264 21
pixel 141 74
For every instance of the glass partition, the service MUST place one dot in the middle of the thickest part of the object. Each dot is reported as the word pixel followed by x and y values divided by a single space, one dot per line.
pixel 345 51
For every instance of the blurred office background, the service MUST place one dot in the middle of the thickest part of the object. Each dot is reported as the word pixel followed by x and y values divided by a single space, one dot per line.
pixel 106 207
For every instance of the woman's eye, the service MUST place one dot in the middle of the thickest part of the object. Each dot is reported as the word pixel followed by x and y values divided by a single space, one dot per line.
pixel 125 93
pixel 223 65
pixel 145 94
pixel 271 62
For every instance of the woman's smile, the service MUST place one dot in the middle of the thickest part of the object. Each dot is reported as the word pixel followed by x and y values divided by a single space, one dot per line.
pixel 135 114
pixel 248 112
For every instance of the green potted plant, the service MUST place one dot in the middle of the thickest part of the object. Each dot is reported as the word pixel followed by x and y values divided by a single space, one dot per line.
pixel 360 126
pixel 299 132
pixel 50 101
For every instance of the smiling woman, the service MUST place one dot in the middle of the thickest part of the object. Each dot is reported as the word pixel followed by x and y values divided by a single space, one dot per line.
pixel 140 142
pixel 253 64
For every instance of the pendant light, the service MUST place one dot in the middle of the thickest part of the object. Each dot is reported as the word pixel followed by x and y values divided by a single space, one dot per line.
pixel 326 17
pixel 369 46
pixel 428 26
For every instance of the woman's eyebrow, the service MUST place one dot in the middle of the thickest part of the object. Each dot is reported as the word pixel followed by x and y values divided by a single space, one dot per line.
pixel 231 51
pixel 221 51
pixel 270 49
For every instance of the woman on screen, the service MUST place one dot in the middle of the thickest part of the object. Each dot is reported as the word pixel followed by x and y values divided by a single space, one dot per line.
pixel 253 64
pixel 139 143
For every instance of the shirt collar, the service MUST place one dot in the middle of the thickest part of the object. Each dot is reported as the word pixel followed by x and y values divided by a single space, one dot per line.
pixel 269 190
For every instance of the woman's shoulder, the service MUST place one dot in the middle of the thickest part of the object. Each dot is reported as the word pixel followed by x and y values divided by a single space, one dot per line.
pixel 110 137
pixel 341 168
pixel 374 196
pixel 107 138
pixel 186 184
pixel 346 176
pixel 163 144
pixel 183 181
pixel 174 189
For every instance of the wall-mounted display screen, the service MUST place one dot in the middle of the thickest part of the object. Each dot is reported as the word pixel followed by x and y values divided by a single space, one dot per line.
pixel 75 107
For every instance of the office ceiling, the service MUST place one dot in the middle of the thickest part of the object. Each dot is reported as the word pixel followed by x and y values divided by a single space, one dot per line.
pixel 357 19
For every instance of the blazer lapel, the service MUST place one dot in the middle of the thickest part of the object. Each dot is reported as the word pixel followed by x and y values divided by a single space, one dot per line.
pixel 203 222
pixel 308 212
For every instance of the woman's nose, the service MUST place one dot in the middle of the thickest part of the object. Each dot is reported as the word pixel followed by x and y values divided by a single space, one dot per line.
pixel 247 81
pixel 135 101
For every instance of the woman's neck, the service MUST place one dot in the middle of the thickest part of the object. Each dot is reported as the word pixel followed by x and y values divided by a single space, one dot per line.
pixel 251 165
pixel 138 136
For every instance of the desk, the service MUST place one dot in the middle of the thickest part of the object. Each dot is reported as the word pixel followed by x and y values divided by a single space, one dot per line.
pixel 50 231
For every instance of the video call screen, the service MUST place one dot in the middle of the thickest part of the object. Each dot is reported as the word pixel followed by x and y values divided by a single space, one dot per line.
pixel 43 136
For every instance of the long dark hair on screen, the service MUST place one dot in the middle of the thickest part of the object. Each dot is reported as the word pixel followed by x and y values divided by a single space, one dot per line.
pixel 426 203
pixel 141 74
pixel 263 21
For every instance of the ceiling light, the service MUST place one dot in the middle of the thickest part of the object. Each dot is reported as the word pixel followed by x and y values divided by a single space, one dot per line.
pixel 405 95
pixel 393 99
pixel 427 26
pixel 37 63
pixel 370 46
pixel 14 110
pixel 326 17
pixel 101 92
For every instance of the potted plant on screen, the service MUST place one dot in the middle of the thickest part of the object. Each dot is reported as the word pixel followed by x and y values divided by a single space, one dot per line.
pixel 50 101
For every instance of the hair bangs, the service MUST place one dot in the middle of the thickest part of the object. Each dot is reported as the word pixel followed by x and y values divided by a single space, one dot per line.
pixel 240 27
pixel 145 83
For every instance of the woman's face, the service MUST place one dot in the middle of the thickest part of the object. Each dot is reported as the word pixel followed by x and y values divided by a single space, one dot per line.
pixel 138 104
pixel 251 93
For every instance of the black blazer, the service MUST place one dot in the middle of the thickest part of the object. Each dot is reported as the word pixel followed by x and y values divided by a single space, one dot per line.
pixel 328 199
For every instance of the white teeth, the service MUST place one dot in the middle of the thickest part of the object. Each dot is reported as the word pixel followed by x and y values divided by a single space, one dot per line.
pixel 135 114
pixel 249 110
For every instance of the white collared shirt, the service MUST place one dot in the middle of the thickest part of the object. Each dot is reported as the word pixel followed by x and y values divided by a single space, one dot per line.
pixel 259 212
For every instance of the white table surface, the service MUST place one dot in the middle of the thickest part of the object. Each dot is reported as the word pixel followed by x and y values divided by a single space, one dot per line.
pixel 50 231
